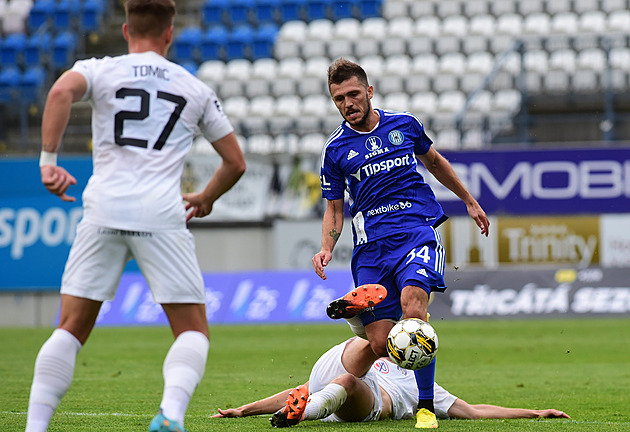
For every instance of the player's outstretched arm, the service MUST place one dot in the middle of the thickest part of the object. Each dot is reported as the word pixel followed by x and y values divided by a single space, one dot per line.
pixel 231 169
pixel 463 410
pixel 268 405
pixel 332 224
pixel 443 171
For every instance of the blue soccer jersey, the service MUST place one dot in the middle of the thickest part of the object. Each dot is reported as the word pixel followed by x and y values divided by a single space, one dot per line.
pixel 378 168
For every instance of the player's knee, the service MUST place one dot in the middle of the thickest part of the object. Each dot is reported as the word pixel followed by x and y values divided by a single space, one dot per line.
pixel 347 381
pixel 379 346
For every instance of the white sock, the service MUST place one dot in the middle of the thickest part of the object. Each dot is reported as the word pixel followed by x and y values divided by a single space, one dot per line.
pixel 356 325
pixel 184 367
pixel 325 402
pixel 54 368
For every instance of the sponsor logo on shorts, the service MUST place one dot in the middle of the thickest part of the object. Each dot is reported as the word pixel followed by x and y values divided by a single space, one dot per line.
pixel 123 233
pixel 401 205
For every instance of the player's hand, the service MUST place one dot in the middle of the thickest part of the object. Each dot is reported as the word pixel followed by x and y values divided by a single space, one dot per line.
pixel 479 216
pixel 552 413
pixel 321 260
pixel 228 413
pixel 196 206
pixel 57 180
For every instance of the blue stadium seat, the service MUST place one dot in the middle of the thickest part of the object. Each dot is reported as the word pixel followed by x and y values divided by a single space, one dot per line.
pixel 36 47
pixel 62 16
pixel 239 43
pixel 262 44
pixel 91 15
pixel 9 81
pixel 32 83
pixel 238 12
pixel 343 9
pixel 186 44
pixel 12 48
pixel 214 12
pixel 368 9
pixel 190 66
pixel 64 46
pixel 292 10
pixel 214 43
pixel 41 12
pixel 318 9
pixel 266 12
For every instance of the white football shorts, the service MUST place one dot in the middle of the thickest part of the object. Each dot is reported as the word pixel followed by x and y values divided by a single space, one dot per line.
pixel 329 367
pixel 166 259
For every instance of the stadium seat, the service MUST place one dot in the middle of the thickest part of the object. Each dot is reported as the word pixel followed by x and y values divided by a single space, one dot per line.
pixel 238 12
pixel 398 101
pixel 537 24
pixel 266 12
pixel 374 66
pixel 32 84
pixel 64 46
pixel 501 8
pixel 211 71
pixel 317 9
pixel 213 43
pixel 619 21
pixel 423 103
pixel 236 107
pixel 312 143
pixel 12 48
pixel 292 10
pixel 565 23
pixel 36 48
pixel 528 7
pixel 592 22
pixel 343 9
pixel 451 101
pixel 186 44
pixel 481 103
pixel 316 105
pixel 63 14
pixel 214 12
pixel 426 64
pixel 508 100
pixel 536 60
pixel 395 8
pixel 397 65
pixel 448 8
pixel 91 15
pixel 263 40
pixel 369 8
pixel 9 82
pixel 41 12
pixel 610 6
pixel 239 43
pixel 583 6
pixel 558 6
pixel 346 28
pixel 473 8
pixel 261 144
pixel 287 106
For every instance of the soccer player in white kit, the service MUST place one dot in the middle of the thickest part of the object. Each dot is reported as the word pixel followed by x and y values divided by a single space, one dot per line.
pixel 384 390
pixel 146 111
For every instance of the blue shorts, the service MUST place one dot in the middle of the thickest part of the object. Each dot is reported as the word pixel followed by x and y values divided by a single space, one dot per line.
pixel 413 258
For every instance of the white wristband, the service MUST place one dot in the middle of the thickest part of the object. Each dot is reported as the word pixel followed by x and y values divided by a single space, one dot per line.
pixel 47 158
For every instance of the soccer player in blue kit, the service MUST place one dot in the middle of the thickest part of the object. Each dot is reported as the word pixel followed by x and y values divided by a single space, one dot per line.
pixel 372 154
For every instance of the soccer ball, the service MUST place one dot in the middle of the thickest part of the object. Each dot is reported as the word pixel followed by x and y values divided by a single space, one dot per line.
pixel 412 343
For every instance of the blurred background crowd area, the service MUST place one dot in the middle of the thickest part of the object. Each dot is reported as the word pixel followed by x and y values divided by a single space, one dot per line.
pixel 480 74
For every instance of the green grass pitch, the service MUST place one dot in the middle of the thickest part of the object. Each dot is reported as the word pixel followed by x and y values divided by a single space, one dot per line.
pixel 581 366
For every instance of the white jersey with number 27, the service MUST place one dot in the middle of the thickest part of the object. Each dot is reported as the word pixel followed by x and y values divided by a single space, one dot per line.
pixel 146 112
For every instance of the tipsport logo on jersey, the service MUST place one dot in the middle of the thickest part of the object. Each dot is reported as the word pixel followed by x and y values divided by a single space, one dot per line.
pixel 387 165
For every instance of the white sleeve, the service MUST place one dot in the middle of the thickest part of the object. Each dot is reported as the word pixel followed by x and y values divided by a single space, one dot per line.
pixel 214 124
pixel 87 69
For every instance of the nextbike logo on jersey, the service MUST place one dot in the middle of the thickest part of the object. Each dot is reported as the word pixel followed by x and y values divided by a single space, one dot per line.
pixel 373 168
pixel 389 208
pixel 23 228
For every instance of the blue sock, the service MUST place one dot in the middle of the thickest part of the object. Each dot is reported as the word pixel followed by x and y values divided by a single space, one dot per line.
pixel 425 378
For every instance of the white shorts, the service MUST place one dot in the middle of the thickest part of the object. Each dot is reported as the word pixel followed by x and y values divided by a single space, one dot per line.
pixel 166 259
pixel 329 367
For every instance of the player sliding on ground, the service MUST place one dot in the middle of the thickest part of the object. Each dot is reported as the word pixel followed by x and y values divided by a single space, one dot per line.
pixel 384 391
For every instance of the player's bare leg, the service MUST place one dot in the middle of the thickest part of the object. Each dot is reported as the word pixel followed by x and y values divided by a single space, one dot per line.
pixel 184 365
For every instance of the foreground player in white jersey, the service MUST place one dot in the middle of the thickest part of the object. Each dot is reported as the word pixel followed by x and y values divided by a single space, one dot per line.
pixel 373 155
pixel 146 111
pixel 384 391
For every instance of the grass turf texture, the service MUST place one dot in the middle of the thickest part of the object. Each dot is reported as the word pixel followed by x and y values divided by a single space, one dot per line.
pixel 579 366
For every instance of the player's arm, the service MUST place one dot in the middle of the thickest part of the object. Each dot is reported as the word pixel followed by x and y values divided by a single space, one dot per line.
pixel 268 405
pixel 443 171
pixel 227 174
pixel 69 88
pixel 332 224
pixel 463 410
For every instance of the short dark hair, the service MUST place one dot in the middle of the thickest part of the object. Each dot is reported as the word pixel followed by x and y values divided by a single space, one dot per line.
pixel 341 70
pixel 149 17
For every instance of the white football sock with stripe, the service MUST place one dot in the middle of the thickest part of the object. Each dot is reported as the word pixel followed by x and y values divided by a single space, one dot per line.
pixel 325 402
pixel 54 368
pixel 184 367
